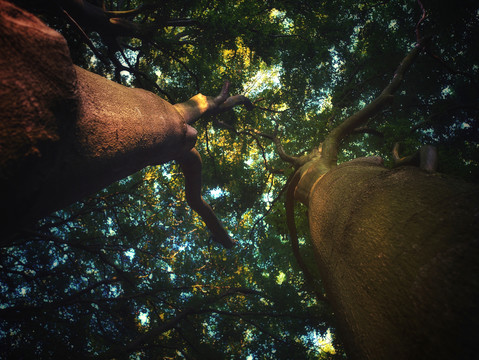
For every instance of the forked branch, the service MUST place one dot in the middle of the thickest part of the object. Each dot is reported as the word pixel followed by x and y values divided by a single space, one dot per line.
pixel 199 105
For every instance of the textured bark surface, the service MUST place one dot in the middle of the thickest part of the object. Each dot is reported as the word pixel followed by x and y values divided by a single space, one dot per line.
pixel 398 253
pixel 37 84
pixel 117 132
pixel 65 132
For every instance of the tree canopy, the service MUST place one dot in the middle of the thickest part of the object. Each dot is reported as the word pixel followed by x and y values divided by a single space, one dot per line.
pixel 131 272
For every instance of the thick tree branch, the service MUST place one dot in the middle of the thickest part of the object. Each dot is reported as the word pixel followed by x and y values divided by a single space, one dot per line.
pixel 200 104
pixel 330 145
pixel 191 167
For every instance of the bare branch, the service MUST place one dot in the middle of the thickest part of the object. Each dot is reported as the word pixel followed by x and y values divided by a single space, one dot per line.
pixel 154 332
pixel 407 160
pixel 182 22
pixel 330 145
pixel 255 135
pixel 130 13
pixel 295 161
pixel 183 64
pixel 200 104
pixel 267 109
pixel 87 40
pixel 423 17
pixel 191 166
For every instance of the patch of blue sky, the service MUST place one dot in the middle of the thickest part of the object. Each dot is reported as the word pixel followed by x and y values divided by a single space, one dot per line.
pixel 286 22
pixel 393 25
pixel 264 79
pixel 217 192
pixel 130 253
pixel 268 198
pixel 114 290
pixel 144 317
pixel 249 162
pixel 322 342
pixel 166 171
pixel 185 295
pixel 172 274
pixel 447 91
pixel 458 126
pixel 23 291
pixel 129 57
pixel 161 77
pixel 354 38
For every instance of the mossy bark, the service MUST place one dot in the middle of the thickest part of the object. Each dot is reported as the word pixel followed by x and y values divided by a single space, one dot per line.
pixel 398 252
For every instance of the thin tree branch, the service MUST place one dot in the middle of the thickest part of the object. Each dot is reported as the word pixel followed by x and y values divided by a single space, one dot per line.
pixel 87 40
pixel 275 200
pixel 423 17
pixel 182 22
pixel 153 333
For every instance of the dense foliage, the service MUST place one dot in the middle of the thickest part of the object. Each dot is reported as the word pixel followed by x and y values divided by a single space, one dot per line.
pixel 131 273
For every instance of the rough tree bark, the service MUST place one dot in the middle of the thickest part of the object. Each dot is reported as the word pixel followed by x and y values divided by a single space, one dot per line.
pixel 397 250
pixel 66 133
pixel 398 254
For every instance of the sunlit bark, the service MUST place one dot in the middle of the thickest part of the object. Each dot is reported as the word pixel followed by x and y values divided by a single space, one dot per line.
pixel 68 133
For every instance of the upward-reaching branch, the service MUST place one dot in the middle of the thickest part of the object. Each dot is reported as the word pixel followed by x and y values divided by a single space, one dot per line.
pixel 330 145
pixel 200 104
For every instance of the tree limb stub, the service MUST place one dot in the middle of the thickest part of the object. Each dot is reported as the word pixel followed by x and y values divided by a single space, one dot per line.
pixel 425 158
pixel 94 18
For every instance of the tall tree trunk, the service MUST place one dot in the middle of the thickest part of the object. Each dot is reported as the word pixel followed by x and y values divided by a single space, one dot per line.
pixel 398 253
pixel 66 133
